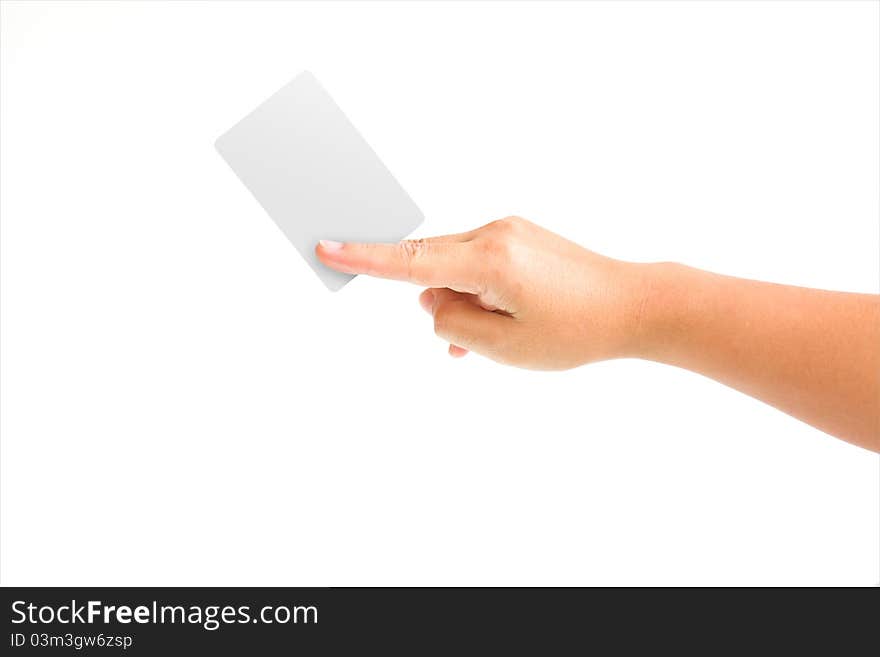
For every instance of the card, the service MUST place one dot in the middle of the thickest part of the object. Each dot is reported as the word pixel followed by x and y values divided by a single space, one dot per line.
pixel 315 176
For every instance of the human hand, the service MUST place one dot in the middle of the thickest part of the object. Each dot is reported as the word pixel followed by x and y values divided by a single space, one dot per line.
pixel 512 291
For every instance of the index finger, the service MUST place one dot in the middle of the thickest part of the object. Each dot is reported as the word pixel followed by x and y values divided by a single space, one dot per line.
pixel 431 263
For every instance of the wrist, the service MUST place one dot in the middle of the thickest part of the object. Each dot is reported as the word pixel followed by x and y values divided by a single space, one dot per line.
pixel 660 313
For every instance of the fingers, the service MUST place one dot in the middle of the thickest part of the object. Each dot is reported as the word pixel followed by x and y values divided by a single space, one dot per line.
pixel 464 324
pixel 457 352
pixel 426 301
pixel 433 262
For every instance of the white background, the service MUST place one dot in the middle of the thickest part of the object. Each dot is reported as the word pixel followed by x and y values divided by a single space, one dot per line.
pixel 184 403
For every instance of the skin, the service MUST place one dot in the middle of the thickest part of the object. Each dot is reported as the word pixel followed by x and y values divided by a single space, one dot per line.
pixel 523 296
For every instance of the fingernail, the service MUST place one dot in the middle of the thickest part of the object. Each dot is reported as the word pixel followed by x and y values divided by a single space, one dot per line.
pixel 330 245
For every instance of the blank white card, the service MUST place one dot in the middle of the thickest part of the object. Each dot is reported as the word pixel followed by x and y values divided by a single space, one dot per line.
pixel 315 176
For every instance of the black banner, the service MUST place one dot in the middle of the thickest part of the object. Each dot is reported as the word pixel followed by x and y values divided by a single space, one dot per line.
pixel 151 621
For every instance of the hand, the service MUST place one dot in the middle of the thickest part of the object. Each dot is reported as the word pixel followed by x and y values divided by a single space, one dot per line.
pixel 513 291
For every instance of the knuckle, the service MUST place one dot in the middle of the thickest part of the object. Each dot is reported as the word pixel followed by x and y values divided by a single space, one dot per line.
pixel 509 224
pixel 502 226
pixel 496 250
pixel 411 251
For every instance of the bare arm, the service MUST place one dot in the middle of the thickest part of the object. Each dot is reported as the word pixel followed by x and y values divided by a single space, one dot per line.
pixel 813 354
pixel 524 296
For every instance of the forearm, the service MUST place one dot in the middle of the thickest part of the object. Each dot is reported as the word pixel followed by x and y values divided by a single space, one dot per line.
pixel 813 354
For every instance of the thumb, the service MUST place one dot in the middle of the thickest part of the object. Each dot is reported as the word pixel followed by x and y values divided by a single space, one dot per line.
pixel 461 322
